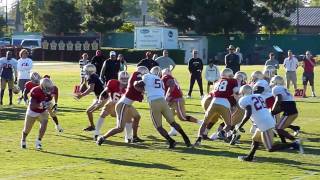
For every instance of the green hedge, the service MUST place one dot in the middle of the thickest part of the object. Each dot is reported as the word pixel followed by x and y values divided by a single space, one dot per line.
pixel 134 55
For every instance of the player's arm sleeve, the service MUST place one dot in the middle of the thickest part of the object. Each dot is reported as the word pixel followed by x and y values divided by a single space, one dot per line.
pixel 201 65
pixel 190 66
pixel 173 64
pixel 276 108
pixel 103 70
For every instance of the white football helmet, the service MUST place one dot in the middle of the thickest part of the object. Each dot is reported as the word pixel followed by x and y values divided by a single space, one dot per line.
pixel 269 71
pixel 166 71
pixel 143 70
pixel 16 89
pixel 227 73
pixel 90 69
pixel 277 80
pixel 256 75
pixel 46 85
pixel 156 71
pixel 35 77
pixel 123 77
pixel 241 76
pixel 245 90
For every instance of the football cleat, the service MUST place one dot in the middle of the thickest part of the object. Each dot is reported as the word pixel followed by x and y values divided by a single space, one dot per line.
pixel 188 97
pixel 23 145
pixel 244 158
pixel 235 138
pixel 89 128
pixel 100 140
pixel 198 142
pixel 128 141
pixel 38 145
pixel 137 140
pixel 172 144
pixel 298 142
pixel 59 128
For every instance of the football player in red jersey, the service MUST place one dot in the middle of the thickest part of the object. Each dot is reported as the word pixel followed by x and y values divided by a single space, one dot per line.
pixel 96 86
pixel 125 111
pixel 35 80
pixel 175 99
pixel 112 93
pixel 220 105
pixel 37 109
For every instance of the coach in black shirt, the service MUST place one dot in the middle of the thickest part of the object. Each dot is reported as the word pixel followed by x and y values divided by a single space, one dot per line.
pixel 110 68
pixel 232 60
pixel 148 61
pixel 97 61
pixel 195 67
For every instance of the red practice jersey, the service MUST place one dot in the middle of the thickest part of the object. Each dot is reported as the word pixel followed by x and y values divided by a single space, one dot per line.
pixel 39 96
pixel 29 85
pixel 176 92
pixel 131 92
pixel 114 90
pixel 224 88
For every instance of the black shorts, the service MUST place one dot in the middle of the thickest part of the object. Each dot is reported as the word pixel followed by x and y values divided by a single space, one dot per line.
pixel 210 83
pixel 289 108
pixel 308 76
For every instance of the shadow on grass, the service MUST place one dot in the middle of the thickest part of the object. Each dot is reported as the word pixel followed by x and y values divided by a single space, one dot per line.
pixel 119 162
pixel 12 113
pixel 292 163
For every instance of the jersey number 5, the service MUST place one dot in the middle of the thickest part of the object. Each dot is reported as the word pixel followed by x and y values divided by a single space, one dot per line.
pixel 157 83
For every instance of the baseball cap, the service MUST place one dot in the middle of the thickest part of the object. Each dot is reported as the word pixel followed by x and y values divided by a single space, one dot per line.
pixel 112 53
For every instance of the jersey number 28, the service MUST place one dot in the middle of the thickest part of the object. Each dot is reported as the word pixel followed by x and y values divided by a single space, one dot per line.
pixel 222 86
pixel 258 103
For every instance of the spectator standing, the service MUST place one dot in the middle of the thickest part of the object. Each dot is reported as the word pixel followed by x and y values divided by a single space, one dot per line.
pixel 291 64
pixel 195 67
pixel 110 68
pixel 148 61
pixel 8 72
pixel 212 74
pixel 232 60
pixel 24 68
pixel 165 61
pixel 272 62
pixel 98 61
pixel 82 62
pixel 308 73
pixel 240 55
pixel 123 63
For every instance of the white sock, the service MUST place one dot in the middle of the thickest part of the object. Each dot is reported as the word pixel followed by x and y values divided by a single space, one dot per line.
pixel 98 126
pixel 173 130
pixel 199 122
pixel 128 131
pixel 206 131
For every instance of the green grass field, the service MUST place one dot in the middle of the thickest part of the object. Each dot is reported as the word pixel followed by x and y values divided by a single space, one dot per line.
pixel 74 155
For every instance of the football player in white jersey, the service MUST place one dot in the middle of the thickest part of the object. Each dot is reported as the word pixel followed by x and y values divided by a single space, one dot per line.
pixel 255 108
pixel 153 86
pixel 284 103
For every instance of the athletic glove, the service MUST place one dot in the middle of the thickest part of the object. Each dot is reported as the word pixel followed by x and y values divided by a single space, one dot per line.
pixel 55 107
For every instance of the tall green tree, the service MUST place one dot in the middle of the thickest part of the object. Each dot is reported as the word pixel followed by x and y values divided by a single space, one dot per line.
pixel 2 26
pixel 60 16
pixel 31 15
pixel 103 15
pixel 217 16
pixel 178 13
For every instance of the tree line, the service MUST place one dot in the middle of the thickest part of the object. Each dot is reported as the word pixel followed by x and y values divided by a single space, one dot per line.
pixel 201 16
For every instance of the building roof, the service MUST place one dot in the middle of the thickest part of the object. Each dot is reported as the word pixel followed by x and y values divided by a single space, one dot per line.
pixel 308 16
